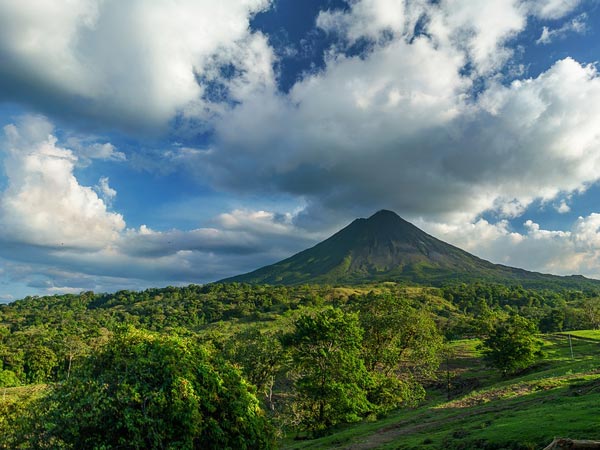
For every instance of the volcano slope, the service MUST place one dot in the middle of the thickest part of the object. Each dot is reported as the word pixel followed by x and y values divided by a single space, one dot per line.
pixel 386 247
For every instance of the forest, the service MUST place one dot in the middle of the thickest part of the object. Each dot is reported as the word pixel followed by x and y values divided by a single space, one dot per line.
pixel 244 366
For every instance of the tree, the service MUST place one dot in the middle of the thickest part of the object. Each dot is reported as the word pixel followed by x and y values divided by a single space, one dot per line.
pixel 398 338
pixel 260 356
pixel 40 361
pixel 145 390
pixel 331 384
pixel 512 345
pixel 401 347
pixel 553 320
pixel 591 311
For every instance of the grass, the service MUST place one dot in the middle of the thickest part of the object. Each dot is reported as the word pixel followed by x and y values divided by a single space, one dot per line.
pixel 559 396
pixel 21 393
pixel 584 334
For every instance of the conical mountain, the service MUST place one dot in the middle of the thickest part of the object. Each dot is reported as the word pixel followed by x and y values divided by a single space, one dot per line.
pixel 385 247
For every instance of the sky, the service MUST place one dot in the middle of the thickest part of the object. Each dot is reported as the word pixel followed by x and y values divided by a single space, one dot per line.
pixel 146 144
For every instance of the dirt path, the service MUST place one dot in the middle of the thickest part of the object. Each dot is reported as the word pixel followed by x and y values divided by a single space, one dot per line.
pixel 390 433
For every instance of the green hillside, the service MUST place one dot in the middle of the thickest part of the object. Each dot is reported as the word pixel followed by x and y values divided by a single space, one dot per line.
pixel 558 397
pixel 385 247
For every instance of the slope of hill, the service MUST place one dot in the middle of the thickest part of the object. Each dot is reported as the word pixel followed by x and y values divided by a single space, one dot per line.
pixel 556 397
pixel 385 247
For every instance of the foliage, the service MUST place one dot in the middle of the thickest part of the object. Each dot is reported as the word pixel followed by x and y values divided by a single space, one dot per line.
pixel 512 345
pixel 591 311
pixel 395 330
pixel 553 320
pixel 261 357
pixel 526 411
pixel 332 381
pixel 398 336
pixel 401 347
pixel 144 390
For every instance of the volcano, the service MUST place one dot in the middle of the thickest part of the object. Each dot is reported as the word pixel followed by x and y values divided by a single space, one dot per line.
pixel 386 247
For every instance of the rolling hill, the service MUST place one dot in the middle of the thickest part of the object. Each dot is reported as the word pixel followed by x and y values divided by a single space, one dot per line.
pixel 385 247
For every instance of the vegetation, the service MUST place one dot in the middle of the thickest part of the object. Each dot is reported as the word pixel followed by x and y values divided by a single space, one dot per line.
pixel 512 345
pixel 144 390
pixel 223 364
pixel 558 397
pixel 331 379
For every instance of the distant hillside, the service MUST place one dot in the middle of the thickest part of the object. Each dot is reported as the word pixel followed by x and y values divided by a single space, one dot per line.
pixel 385 247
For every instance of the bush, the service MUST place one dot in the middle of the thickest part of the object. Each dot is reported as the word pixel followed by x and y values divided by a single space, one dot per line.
pixel 512 345
pixel 146 390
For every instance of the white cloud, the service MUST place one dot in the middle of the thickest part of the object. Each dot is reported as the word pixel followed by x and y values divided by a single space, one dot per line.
pixel 239 233
pixel 398 126
pixel 575 25
pixel 479 29
pixel 44 204
pixel 551 9
pixel 563 207
pixel 396 129
pixel 88 149
pixel 106 192
pixel 143 257
pixel 129 63
pixel 369 18
pixel 576 251
pixel 60 236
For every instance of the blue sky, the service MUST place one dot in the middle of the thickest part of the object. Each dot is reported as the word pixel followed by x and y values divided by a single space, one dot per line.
pixel 172 142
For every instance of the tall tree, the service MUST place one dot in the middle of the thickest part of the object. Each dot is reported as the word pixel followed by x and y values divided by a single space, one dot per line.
pixel 591 311
pixel 331 379
pixel 401 347
pixel 260 356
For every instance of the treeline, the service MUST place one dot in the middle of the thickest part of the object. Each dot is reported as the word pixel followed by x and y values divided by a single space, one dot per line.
pixel 549 310
pixel 41 336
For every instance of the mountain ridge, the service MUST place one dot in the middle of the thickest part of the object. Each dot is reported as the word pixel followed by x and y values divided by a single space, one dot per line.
pixel 385 247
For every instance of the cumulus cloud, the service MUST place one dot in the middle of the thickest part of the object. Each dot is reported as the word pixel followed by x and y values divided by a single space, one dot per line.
pixel 61 236
pixel 44 204
pixel 480 30
pixel 105 191
pixel 575 251
pixel 405 111
pixel 133 63
pixel 563 207
pixel 395 129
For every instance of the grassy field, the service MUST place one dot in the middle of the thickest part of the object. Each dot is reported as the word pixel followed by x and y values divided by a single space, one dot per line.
pixel 594 335
pixel 559 396
pixel 21 393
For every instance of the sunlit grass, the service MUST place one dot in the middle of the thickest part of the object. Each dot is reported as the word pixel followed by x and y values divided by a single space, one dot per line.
pixel 586 334
pixel 558 396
